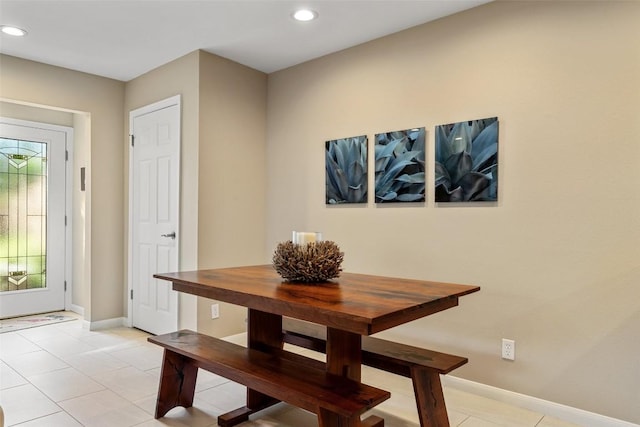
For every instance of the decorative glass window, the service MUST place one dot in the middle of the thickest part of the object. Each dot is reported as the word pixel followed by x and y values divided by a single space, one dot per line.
pixel 23 215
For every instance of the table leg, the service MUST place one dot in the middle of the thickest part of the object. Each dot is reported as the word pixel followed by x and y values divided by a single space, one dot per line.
pixel 344 358
pixel 344 353
pixel 373 421
pixel 330 419
pixel 264 331
pixel 242 414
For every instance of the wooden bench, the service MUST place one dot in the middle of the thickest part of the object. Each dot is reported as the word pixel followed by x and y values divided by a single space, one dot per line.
pixel 282 375
pixel 423 366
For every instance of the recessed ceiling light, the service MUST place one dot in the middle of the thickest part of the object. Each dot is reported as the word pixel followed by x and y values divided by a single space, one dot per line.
pixel 13 31
pixel 305 15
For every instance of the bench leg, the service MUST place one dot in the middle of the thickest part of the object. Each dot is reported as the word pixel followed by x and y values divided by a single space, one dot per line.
pixel 177 383
pixel 429 398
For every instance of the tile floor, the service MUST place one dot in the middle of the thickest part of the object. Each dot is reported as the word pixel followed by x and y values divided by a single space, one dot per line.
pixel 62 375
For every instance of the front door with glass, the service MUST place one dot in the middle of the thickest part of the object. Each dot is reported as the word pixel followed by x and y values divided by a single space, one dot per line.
pixel 32 218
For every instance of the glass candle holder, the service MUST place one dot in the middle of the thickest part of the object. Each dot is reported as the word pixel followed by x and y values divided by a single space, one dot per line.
pixel 304 237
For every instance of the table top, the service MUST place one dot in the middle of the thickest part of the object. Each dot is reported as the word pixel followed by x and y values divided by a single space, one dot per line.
pixel 356 303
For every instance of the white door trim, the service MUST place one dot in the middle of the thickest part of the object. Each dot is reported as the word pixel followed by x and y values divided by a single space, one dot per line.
pixel 174 100
pixel 68 188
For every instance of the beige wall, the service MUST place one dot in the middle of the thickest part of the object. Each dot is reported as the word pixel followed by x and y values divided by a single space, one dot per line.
pixel 557 256
pixel 36 114
pixel 81 215
pixel 232 178
pixel 99 100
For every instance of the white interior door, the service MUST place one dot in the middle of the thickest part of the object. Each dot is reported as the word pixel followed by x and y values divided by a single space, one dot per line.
pixel 155 173
pixel 33 237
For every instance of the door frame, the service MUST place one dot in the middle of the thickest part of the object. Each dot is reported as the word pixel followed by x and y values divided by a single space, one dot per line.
pixel 68 205
pixel 168 102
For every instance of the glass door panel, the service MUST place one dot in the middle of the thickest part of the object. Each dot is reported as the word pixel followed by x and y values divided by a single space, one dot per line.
pixel 23 215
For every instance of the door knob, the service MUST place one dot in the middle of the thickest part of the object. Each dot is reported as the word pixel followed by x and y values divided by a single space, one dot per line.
pixel 172 235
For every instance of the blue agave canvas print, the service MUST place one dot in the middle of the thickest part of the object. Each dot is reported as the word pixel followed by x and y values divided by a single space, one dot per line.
pixel 346 170
pixel 466 164
pixel 400 159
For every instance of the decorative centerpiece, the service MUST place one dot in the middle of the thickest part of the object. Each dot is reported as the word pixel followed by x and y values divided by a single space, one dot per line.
pixel 308 259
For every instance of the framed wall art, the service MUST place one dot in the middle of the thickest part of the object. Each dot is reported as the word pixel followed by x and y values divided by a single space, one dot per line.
pixel 400 166
pixel 346 170
pixel 466 163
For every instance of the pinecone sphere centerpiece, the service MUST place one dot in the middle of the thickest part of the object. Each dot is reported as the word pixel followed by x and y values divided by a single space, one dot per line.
pixel 309 262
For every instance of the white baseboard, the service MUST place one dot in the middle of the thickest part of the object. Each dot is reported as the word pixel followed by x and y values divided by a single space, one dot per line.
pixel 76 309
pixel 563 412
pixel 106 324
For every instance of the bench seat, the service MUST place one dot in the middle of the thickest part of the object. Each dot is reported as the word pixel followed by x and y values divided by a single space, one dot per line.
pixel 423 366
pixel 282 375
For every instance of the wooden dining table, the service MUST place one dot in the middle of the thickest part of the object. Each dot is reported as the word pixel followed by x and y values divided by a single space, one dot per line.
pixel 350 306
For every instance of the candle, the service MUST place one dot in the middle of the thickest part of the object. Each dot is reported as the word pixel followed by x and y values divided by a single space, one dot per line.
pixel 304 237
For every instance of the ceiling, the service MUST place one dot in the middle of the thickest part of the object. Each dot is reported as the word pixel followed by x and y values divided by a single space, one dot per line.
pixel 122 39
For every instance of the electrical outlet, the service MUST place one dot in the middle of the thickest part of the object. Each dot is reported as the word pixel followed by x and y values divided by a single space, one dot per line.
pixel 215 311
pixel 508 349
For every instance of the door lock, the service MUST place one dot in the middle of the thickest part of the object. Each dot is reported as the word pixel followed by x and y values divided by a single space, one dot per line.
pixel 172 235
